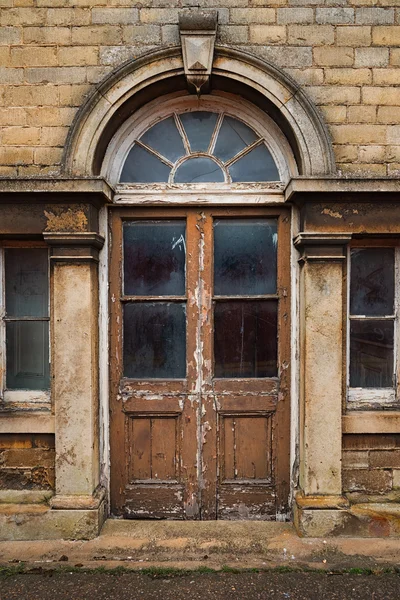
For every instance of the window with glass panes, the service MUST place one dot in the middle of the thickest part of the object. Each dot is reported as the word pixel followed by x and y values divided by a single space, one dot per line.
pixel 372 325
pixel 25 323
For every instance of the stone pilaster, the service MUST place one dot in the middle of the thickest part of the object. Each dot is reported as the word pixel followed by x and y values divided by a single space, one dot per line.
pixel 319 501
pixel 75 374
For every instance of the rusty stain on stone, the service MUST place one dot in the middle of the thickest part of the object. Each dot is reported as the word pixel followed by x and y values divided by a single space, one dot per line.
pixel 70 219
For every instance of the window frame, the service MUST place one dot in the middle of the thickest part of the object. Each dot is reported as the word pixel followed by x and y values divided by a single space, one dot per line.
pixel 147 116
pixel 24 398
pixel 363 398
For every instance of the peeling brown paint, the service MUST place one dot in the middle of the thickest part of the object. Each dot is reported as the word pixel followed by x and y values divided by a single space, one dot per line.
pixel 66 219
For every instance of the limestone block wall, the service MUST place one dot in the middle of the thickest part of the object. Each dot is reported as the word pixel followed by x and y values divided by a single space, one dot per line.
pixel 27 462
pixel 346 54
pixel 371 466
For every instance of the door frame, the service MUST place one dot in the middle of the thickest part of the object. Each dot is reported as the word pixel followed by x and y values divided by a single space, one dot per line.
pixel 281 425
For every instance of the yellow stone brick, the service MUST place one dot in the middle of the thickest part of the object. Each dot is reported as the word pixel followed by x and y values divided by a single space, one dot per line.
pixel 393 134
pixel 334 114
pixel 345 153
pixel 22 16
pixel 386 35
pixel 73 95
pixel 358 134
pixel 393 153
pixel 381 95
pixel 78 55
pixel 252 15
pixel 20 136
pixel 311 35
pixel 372 154
pixel 108 35
pixel 333 57
pixel 353 36
pixel 47 156
pixel 389 114
pixel 158 15
pixel 13 116
pixel 348 76
pixel 45 95
pixel 15 155
pixel 394 169
pixel 47 35
pixel 395 57
pixel 386 77
pixel 67 16
pixel 5 56
pixel 262 34
pixel 361 114
pixel 40 56
pixel 307 76
pixel 53 136
pixel 366 170
pixel 8 171
pixel 49 116
pixel 330 94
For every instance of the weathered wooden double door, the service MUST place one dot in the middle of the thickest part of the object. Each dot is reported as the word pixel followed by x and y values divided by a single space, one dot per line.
pixel 200 322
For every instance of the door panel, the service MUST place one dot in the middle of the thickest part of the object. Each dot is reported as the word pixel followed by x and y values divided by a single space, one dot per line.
pixel 207 436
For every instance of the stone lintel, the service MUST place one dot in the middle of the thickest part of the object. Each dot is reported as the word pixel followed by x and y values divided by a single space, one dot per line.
pixel 74 247
pixel 78 502
pixel 61 186
pixel 317 186
pixel 318 502
pixel 316 246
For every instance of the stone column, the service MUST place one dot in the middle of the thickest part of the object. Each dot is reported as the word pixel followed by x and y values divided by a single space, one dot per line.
pixel 319 503
pixel 79 501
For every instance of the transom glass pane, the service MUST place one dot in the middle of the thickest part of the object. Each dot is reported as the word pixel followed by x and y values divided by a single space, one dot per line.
pixel 233 137
pixel 372 281
pixel 245 256
pixel 166 139
pixel 154 258
pixel 143 167
pixel 197 170
pixel 256 165
pixel 199 126
pixel 155 340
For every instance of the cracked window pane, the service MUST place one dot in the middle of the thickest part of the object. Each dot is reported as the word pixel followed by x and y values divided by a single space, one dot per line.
pixel 165 138
pixel 256 165
pixel 199 169
pixel 233 137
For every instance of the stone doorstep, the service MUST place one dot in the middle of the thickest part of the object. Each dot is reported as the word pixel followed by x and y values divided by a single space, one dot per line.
pixel 185 544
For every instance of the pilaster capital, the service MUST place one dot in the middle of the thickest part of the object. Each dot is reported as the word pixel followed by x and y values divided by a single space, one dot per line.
pixel 317 246
pixel 74 247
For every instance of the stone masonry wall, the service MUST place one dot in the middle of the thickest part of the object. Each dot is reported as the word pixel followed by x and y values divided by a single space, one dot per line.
pixel 27 461
pixel 346 53
pixel 371 466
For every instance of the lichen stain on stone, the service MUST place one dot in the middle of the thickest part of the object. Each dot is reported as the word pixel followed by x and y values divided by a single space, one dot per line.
pixel 332 213
pixel 62 219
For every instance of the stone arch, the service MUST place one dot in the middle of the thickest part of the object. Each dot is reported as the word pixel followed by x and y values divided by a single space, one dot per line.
pixel 138 81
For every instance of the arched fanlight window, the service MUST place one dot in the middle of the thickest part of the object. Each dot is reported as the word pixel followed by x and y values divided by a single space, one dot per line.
pixel 199 147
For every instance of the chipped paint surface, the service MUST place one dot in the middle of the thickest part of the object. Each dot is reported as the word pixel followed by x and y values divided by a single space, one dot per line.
pixel 62 219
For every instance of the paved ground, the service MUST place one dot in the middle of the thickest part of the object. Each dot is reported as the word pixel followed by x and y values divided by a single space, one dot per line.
pixel 193 586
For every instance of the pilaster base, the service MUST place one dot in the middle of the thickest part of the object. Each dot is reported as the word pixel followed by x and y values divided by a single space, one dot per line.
pixel 326 516
pixel 40 522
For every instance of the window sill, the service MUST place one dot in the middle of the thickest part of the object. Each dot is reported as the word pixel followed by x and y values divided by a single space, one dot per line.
pixel 371 422
pixel 27 422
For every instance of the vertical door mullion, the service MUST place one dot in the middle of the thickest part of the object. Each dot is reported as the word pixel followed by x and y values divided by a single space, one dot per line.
pixel 208 413
pixel 281 450
pixel 118 434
